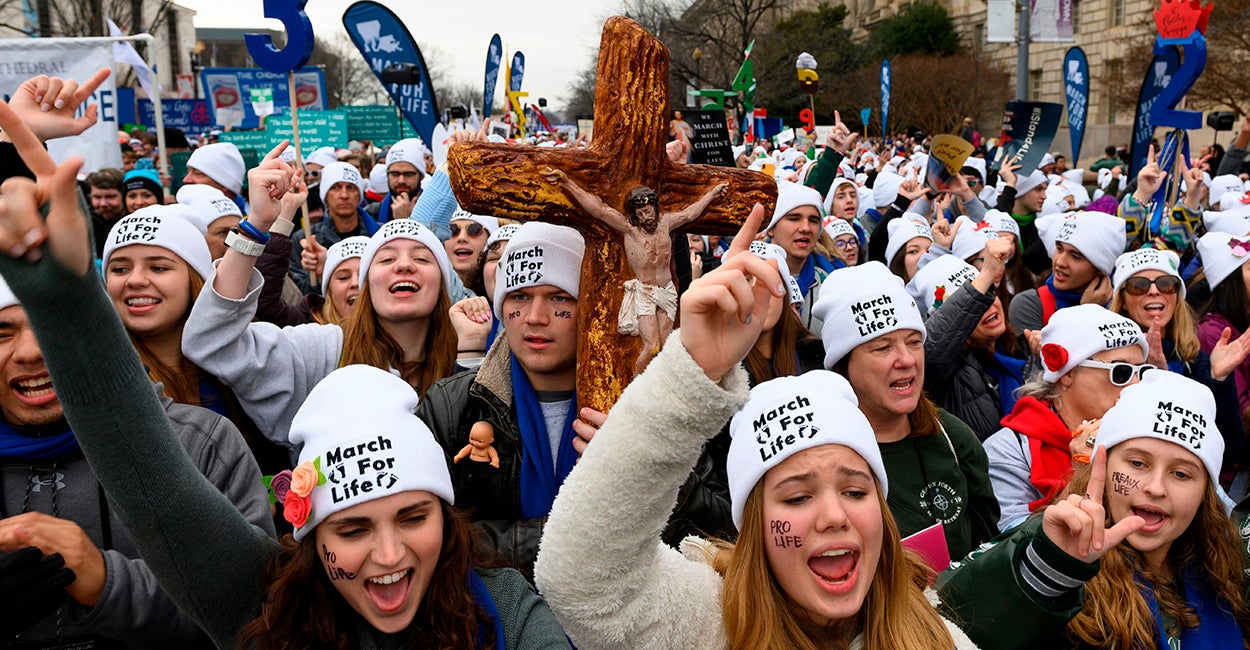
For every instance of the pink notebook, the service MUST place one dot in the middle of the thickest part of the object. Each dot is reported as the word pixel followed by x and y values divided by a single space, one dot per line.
pixel 930 544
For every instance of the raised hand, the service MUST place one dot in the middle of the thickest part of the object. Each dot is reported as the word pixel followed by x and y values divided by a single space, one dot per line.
pixel 22 230
pixel 1154 339
pixel 840 138
pixel 722 313
pixel 997 252
pixel 944 232
pixel 46 105
pixel 1077 525
pixel 401 206
pixel 1008 171
pixel 294 198
pixel 471 319
pixel 267 184
pixel 1150 178
pixel 1195 190
pixel 1227 355
pixel 911 188
pixel 467 135
pixel 1097 292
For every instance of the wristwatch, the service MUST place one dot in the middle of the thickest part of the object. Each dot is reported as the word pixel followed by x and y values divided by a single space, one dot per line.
pixel 244 245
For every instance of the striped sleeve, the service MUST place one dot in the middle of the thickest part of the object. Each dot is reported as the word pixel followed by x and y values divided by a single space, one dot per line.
pixel 1051 573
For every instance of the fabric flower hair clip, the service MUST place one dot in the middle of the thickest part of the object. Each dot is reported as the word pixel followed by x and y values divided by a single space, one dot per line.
pixel 1238 247
pixel 292 488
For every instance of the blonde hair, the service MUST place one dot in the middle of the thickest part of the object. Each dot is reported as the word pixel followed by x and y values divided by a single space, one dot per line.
pixel 758 614
pixel 1115 614
pixel 366 341
pixel 181 384
pixel 1182 329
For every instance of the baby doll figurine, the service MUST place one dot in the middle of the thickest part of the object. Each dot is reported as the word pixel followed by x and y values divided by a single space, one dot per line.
pixel 479 449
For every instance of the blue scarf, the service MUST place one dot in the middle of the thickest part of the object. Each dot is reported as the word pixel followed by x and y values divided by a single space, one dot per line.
pixel 807 275
pixel 494 331
pixel 1008 371
pixel 484 600
pixel 1175 365
pixel 1063 298
pixel 539 483
pixel 16 445
pixel 1218 628
pixel 384 210
pixel 370 225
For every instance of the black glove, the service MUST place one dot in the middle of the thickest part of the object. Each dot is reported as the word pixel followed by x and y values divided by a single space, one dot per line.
pixel 33 585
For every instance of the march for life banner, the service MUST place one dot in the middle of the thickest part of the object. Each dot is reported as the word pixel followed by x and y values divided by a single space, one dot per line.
pixel 1162 68
pixel 383 40
pixel 885 97
pixel 1076 90
pixel 69 58
pixel 494 54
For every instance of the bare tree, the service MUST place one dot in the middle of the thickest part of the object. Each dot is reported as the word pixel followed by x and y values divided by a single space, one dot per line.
pixel 348 77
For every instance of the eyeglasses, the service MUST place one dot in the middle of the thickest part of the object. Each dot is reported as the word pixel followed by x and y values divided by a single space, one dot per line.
pixel 313 173
pixel 1167 284
pixel 1120 372
pixel 645 199
pixel 845 244
pixel 473 229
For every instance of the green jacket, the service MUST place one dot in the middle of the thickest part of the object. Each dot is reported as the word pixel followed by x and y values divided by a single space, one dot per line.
pixel 1018 592
pixel 824 171
pixel 942 478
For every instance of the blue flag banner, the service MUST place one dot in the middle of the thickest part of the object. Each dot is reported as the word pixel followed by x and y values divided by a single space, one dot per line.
pixel 1158 76
pixel 1028 130
pixel 383 40
pixel 1076 90
pixel 885 96
pixel 494 54
pixel 864 115
pixel 518 71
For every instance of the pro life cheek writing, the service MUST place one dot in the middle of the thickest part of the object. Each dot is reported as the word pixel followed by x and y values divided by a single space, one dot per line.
pixel 334 572
pixel 781 535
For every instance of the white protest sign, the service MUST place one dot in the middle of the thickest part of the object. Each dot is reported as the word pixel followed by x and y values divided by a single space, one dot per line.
pixel 69 58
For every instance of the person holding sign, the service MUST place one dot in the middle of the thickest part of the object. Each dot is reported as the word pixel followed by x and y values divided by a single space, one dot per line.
pixel 1138 551
pixel 874 336
pixel 400 320
pixel 818 561
pixel 379 555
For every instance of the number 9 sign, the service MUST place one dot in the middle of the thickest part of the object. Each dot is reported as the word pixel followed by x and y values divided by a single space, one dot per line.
pixel 299 38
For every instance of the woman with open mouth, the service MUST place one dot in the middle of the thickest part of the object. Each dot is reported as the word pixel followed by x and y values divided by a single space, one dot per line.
pixel 1088 355
pixel 874 336
pixel 1138 552
pixel 1148 288
pixel 974 361
pixel 1083 247
pixel 817 563
pixel 400 320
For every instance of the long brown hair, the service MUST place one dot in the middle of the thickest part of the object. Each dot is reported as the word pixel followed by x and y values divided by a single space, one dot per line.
pixel 758 614
pixel 366 341
pixel 1182 329
pixel 302 609
pixel 181 384
pixel 1115 614
pixel 785 335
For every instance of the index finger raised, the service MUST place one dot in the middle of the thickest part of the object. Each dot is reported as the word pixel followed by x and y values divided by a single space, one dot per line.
pixel 277 151
pixel 750 226
pixel 89 86
pixel 27 145
pixel 1098 477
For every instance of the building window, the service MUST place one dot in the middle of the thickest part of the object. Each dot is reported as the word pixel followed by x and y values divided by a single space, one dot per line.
pixel 137 27
pixel 1076 17
pixel 43 15
pixel 175 47
pixel 1115 75
pixel 1117 12
pixel 1035 85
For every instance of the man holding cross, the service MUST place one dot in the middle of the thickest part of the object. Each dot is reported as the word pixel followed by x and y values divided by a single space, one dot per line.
pixel 650 302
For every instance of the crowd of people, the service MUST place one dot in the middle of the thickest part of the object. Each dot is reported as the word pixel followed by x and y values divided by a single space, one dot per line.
pixel 219 429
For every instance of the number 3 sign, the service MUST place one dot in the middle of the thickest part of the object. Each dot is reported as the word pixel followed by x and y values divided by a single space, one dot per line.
pixel 1181 24
pixel 299 38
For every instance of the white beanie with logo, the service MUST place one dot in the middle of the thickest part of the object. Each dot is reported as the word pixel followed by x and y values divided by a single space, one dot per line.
pixel 860 303
pixel 165 227
pixel 540 254
pixel 222 162
pixel 1074 334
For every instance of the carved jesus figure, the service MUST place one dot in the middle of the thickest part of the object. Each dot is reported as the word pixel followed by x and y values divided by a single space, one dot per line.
pixel 650 302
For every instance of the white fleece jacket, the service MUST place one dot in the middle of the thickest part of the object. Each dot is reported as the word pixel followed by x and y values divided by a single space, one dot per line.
pixel 270 369
pixel 601 566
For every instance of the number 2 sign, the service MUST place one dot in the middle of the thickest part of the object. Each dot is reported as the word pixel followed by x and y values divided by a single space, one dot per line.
pixel 299 38
pixel 1181 24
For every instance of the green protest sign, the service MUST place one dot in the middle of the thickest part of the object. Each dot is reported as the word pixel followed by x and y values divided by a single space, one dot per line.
pixel 378 124
pixel 247 139
pixel 316 129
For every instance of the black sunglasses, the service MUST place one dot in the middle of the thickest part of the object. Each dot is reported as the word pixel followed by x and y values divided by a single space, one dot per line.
pixel 474 229
pixel 1141 286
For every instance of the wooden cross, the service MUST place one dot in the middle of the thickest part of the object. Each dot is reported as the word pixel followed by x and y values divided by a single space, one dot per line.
pixel 628 150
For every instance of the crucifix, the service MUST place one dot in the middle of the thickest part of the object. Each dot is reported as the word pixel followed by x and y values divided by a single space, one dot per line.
pixel 623 181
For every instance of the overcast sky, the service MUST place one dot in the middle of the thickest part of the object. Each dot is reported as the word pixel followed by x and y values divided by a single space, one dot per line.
pixel 557 43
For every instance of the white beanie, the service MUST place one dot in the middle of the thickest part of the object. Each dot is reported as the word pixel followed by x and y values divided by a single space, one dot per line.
pixel 1099 236
pixel 1104 177
pixel 7 299
pixel 1238 202
pixel 340 172
pixel 1224 184
pixel 1146 259
pixel 504 233
pixel 786 415
pixel 977 164
pixel 1047 159
pixel 1230 221
pixel 1074 176
pixel 971 237
pixel 885 189
pixel 1024 185
pixel 409 150
pixel 938 280
pixel 838 226
pixel 1057 200
pixel 791 196
pixel 767 251
pixel 377 180
pixel 491 224
pixel 833 189
pixel 158 225
pixel 1171 407
pixel 1002 222
pixel 865 200
pixel 346 460
pixel 207 204
pixel 222 162
pixel 1222 254
pixel 1074 334
pixel 540 254
pixel 407 229
pixel 860 303
pixel 342 251
pixel 323 156
pixel 288 155
pixel 902 230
